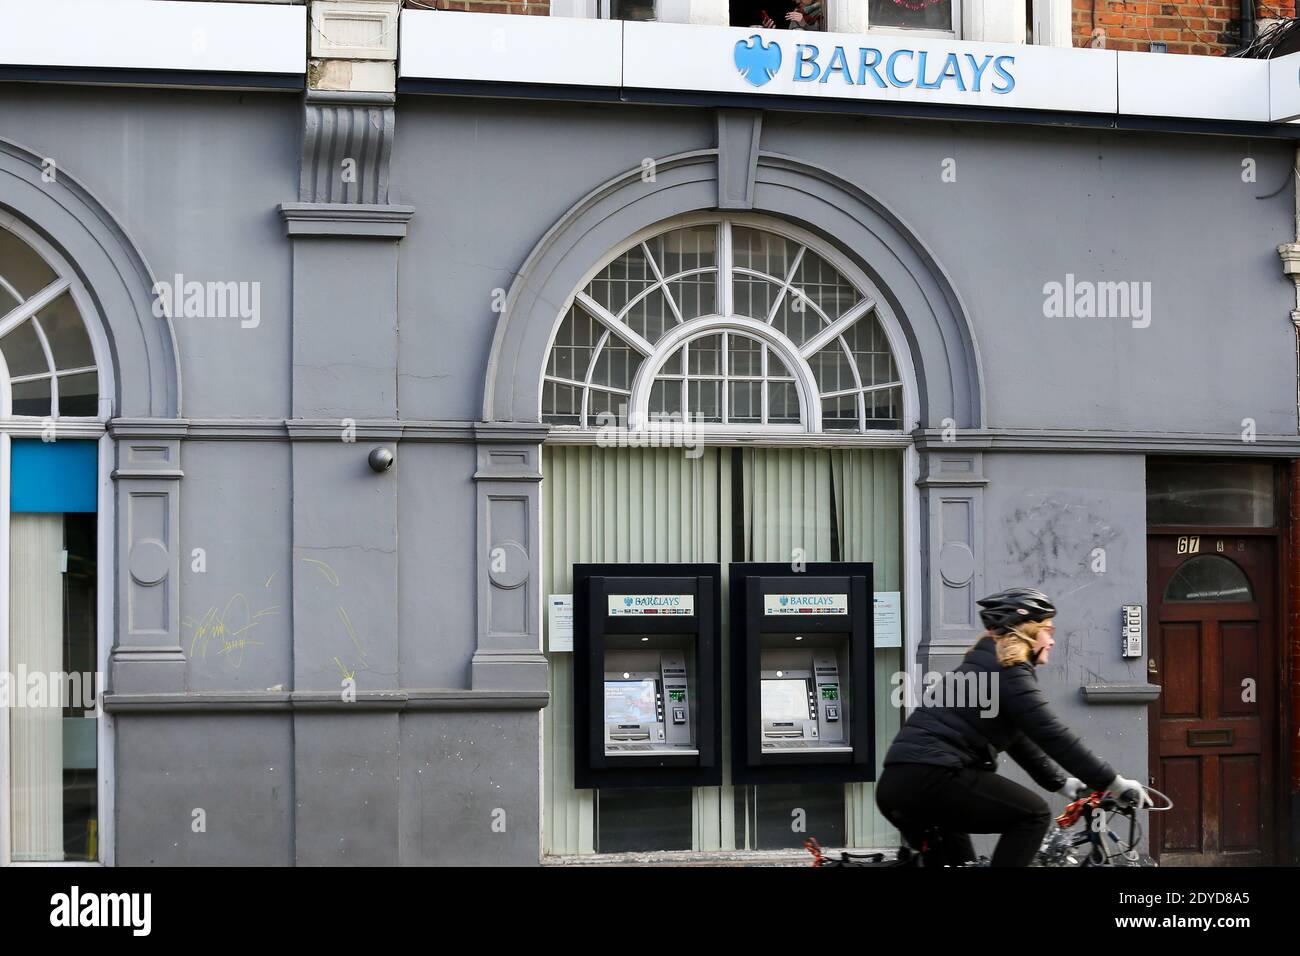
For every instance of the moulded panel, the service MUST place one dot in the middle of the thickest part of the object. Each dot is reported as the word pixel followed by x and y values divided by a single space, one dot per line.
pixel 957 534
pixel 1182 784
pixel 1180 669
pixel 1240 668
pixel 508 565
pixel 1240 795
pixel 148 524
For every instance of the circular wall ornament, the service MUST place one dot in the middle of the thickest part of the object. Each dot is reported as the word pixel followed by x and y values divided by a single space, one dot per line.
pixel 508 564
pixel 148 561
pixel 956 564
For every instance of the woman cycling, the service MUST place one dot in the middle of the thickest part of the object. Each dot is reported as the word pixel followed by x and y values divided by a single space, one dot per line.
pixel 941 769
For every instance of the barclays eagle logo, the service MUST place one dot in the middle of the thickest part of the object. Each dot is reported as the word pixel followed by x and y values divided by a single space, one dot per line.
pixel 627 602
pixel 756 61
pixel 784 600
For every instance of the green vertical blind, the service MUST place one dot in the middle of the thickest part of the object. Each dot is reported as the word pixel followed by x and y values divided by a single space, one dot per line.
pixel 662 505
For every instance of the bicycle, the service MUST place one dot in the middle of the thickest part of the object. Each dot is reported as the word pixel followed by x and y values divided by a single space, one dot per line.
pixel 1093 844
pixel 1064 848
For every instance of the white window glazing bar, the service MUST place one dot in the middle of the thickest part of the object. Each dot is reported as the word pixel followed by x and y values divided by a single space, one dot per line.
pixel 27 309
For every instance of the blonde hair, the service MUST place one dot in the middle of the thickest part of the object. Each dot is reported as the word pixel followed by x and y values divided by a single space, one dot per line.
pixel 1017 644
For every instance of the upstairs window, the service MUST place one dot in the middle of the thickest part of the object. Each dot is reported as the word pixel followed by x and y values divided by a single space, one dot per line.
pixel 931 16
pixel 811 14
pixel 627 9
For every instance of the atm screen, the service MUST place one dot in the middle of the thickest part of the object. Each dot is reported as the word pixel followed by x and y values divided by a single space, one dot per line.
pixel 630 702
pixel 785 699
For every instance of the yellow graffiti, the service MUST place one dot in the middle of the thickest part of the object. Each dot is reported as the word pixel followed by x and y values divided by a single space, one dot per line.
pixel 217 625
pixel 329 573
pixel 347 674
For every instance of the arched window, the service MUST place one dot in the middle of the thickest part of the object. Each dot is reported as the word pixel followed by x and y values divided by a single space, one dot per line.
pixel 47 362
pixel 1209 577
pixel 724 323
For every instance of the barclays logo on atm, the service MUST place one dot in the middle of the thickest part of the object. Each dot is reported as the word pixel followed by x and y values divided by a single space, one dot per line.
pixel 622 605
pixel 867 66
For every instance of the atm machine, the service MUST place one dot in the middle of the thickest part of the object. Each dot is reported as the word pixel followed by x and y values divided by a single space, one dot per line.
pixel 646 658
pixel 802 677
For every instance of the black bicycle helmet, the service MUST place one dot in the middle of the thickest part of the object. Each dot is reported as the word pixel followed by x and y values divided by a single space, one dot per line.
pixel 1004 610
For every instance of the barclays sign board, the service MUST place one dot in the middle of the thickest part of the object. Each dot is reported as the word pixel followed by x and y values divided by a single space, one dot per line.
pixel 616 57
pixel 902 67
pixel 868 67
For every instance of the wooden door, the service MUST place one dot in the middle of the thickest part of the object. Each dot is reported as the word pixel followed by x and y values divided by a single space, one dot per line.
pixel 1213 649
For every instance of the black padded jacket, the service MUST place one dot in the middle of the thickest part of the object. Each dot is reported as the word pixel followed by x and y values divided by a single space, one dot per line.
pixel 1024 727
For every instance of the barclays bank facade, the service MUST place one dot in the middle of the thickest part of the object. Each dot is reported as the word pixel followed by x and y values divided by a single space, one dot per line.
pixel 363 438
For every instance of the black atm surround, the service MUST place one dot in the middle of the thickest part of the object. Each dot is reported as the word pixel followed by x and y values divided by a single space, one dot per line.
pixel 591 584
pixel 749 765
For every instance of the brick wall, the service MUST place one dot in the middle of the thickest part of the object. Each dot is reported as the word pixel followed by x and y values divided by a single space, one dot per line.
pixel 1209 27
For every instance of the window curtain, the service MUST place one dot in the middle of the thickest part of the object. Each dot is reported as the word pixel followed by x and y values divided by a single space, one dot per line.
pixel 658 505
pixel 869 511
pixel 614 505
pixel 36 645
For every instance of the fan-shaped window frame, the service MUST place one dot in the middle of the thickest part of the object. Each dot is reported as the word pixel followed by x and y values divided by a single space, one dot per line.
pixel 1209 559
pixel 871 302
pixel 66 282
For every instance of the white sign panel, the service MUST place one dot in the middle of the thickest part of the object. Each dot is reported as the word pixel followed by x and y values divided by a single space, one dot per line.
pixel 934 70
pixel 889 619
pixel 149 35
pixel 1284 88
pixel 776 605
pixel 630 605
pixel 559 622
pixel 1196 87
pixel 505 49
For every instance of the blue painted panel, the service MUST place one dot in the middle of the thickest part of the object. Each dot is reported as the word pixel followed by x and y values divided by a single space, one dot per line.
pixel 59 476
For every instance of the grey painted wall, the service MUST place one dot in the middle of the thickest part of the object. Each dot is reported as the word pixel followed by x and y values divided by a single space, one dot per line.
pixel 401 329
pixel 1030 205
pixel 194 179
pixel 237 593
